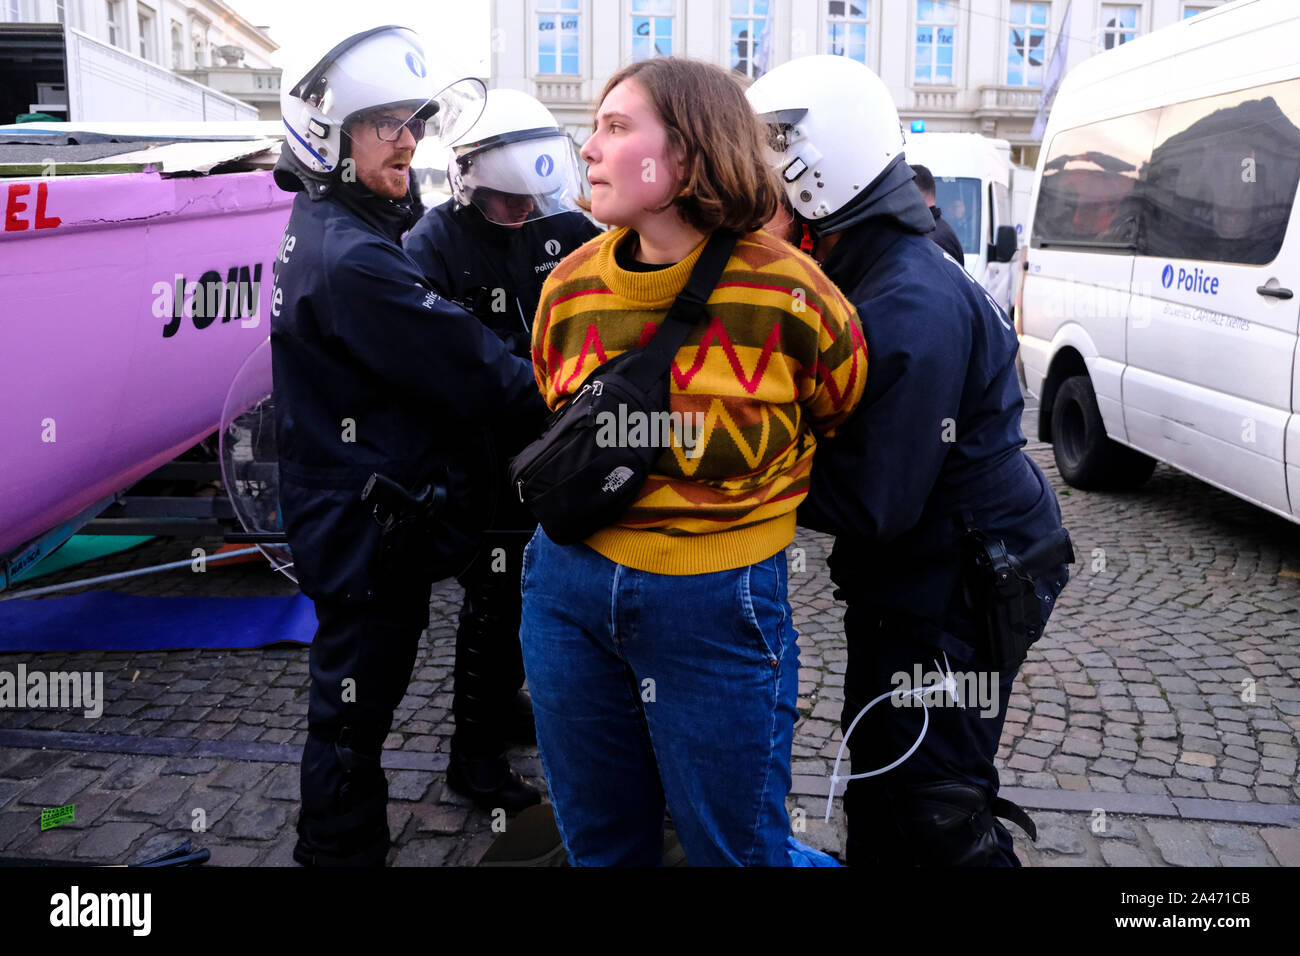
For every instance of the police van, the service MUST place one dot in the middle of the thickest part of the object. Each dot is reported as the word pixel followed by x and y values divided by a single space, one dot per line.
pixel 1159 309
pixel 973 190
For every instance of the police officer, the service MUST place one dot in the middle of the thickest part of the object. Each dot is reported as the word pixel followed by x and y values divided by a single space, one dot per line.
pixel 510 220
pixel 382 387
pixel 922 487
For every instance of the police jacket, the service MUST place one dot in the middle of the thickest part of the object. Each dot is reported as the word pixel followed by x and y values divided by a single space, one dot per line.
pixel 376 372
pixel 467 258
pixel 936 440
pixel 497 273
pixel 945 236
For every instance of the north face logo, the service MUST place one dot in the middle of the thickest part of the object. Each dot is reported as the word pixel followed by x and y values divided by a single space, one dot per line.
pixel 616 479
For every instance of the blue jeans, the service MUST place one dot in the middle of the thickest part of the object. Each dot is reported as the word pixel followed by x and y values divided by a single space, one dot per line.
pixel 650 687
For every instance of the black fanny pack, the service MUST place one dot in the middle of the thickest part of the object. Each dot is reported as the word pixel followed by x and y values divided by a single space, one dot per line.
pixel 574 484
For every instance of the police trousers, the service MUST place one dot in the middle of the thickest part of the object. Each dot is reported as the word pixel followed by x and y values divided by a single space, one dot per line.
pixel 935 808
pixel 489 662
pixel 361 661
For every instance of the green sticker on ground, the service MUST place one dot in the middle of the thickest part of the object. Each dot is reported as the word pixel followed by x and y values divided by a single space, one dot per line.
pixel 56 817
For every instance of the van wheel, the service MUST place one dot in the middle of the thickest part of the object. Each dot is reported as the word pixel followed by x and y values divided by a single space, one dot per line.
pixel 1085 456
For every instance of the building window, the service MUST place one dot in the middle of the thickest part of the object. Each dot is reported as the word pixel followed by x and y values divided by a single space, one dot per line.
pixel 557 37
pixel 146 22
pixel 1192 9
pixel 1027 44
pixel 751 28
pixel 115 32
pixel 936 29
pixel 652 28
pixel 1025 156
pixel 178 47
pixel 1118 25
pixel 846 29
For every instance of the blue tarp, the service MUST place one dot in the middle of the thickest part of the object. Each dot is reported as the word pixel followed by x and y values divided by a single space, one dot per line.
pixel 107 621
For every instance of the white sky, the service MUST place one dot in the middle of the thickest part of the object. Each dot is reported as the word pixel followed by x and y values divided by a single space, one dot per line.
pixel 456 32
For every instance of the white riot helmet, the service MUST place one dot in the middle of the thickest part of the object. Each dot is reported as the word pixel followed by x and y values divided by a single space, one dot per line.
pixel 334 82
pixel 834 132
pixel 516 164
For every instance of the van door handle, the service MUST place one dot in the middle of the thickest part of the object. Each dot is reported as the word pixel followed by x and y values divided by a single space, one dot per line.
pixel 1276 292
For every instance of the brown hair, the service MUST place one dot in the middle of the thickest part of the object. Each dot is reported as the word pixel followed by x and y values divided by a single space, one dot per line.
pixel 727 183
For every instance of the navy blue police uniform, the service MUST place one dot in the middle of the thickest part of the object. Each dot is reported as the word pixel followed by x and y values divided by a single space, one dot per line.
pixel 944 236
pixel 497 273
pixel 933 451
pixel 375 372
pixel 469 258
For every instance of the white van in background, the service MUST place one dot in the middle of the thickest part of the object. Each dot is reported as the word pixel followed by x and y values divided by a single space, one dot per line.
pixel 1022 209
pixel 1159 317
pixel 972 184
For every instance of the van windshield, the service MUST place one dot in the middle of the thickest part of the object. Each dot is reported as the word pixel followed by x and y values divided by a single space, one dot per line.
pixel 958 200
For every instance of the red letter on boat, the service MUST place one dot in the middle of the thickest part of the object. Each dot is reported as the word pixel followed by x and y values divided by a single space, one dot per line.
pixel 13 222
pixel 43 221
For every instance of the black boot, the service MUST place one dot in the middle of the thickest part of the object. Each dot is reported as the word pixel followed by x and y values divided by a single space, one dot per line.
pixel 491 784
pixel 344 819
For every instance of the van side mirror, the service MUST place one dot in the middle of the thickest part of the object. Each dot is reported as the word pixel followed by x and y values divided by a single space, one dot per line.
pixel 1004 248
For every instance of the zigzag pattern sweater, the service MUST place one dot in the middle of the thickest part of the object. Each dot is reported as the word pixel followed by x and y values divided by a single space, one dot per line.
pixel 780 357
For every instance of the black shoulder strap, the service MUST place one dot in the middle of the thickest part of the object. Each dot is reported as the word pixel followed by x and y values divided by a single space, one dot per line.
pixel 686 309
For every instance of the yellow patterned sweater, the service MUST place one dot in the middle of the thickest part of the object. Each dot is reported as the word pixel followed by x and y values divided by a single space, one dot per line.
pixel 780 356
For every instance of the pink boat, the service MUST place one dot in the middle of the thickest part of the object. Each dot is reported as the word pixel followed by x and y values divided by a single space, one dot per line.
pixel 128 302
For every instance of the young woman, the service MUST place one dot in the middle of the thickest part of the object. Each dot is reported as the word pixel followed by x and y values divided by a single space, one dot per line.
pixel 660 653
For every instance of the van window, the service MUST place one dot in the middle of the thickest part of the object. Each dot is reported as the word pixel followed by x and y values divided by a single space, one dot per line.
pixel 1088 194
pixel 958 199
pixel 1223 176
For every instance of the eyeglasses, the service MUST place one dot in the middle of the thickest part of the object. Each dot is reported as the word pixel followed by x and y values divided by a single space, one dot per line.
pixel 389 128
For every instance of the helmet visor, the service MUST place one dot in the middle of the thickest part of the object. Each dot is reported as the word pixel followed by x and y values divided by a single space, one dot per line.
pixel 522 177
pixel 443 117
pixel 452 112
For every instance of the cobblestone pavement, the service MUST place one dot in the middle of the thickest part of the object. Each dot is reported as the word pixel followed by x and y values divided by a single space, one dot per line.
pixel 1156 722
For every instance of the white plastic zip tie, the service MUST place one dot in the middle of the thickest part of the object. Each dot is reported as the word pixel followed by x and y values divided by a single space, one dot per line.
pixel 948 685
